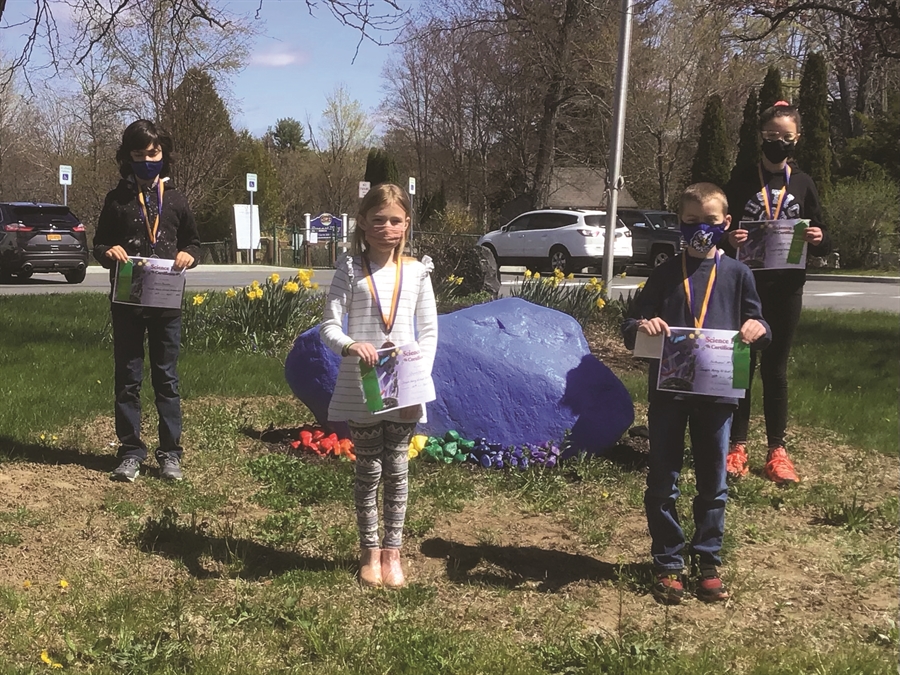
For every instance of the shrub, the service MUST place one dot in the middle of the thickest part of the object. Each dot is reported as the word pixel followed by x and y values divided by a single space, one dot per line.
pixel 453 255
pixel 583 302
pixel 861 216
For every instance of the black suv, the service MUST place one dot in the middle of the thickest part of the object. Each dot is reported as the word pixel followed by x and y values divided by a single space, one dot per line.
pixel 655 235
pixel 41 238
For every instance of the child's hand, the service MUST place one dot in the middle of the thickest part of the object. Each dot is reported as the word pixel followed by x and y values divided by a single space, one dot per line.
pixel 183 260
pixel 411 412
pixel 365 351
pixel 737 238
pixel 653 326
pixel 751 331
pixel 117 253
pixel 813 235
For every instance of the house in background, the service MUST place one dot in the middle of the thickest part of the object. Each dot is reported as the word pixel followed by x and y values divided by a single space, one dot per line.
pixel 571 187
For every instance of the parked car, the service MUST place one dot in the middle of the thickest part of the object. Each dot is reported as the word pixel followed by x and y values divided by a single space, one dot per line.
pixel 564 239
pixel 41 238
pixel 655 235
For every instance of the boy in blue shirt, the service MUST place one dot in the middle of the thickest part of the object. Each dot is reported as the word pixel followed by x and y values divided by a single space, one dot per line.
pixel 700 288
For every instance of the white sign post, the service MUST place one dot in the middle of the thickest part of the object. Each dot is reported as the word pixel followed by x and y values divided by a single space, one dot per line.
pixel 412 205
pixel 251 188
pixel 65 179
pixel 246 226
pixel 364 187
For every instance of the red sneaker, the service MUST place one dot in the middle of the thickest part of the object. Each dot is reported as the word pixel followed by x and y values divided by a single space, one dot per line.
pixel 710 587
pixel 668 588
pixel 736 461
pixel 779 467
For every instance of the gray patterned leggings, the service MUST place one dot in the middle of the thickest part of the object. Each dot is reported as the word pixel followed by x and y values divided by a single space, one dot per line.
pixel 382 450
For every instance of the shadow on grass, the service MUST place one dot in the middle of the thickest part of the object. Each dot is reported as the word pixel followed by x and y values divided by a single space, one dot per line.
pixel 209 557
pixel 553 569
pixel 12 449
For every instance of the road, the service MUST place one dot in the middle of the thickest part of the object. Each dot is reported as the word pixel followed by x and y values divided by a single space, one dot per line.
pixel 819 294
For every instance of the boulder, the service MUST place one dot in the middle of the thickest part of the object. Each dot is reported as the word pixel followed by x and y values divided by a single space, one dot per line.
pixel 508 370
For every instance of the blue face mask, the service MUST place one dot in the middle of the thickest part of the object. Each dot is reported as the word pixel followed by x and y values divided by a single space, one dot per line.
pixel 701 236
pixel 147 170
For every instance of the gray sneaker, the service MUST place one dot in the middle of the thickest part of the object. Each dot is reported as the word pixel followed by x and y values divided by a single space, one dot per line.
pixel 170 467
pixel 127 471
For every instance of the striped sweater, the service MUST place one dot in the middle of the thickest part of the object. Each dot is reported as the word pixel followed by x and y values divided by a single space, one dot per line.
pixel 349 295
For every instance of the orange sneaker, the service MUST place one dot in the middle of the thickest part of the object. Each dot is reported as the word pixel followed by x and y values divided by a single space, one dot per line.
pixel 779 467
pixel 736 462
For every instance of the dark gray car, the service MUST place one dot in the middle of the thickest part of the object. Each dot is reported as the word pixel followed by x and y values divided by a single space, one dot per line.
pixel 36 237
pixel 655 235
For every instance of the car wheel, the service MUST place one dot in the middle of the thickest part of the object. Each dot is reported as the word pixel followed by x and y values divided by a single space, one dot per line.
pixel 23 275
pixel 75 276
pixel 660 255
pixel 560 259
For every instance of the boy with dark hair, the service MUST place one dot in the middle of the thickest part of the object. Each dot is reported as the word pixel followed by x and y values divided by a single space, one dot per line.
pixel 143 217
pixel 700 288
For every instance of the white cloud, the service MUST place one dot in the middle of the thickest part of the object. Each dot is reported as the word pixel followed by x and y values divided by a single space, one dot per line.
pixel 279 59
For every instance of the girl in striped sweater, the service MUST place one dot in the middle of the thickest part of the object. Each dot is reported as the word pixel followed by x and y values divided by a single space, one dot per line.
pixel 387 299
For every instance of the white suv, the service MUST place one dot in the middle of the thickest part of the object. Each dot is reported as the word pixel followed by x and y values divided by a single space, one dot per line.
pixel 562 239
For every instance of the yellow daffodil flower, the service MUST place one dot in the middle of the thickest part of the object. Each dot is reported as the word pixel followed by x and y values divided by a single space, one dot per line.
pixel 254 285
pixel 527 274
pixel 199 299
pixel 641 285
pixel 230 293
pixel 571 275
pixel 291 287
pixel 274 277
pixel 315 286
pixel 601 303
pixel 537 275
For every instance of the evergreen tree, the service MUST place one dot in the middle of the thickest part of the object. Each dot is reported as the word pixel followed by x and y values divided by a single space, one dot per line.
pixel 711 162
pixel 288 135
pixel 771 89
pixel 748 144
pixel 381 168
pixel 814 149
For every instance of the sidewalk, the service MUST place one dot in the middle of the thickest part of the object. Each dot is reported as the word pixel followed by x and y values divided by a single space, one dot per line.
pixel 852 277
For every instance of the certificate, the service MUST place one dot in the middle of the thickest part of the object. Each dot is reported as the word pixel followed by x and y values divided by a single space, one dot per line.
pixel 774 244
pixel 400 378
pixel 148 282
pixel 704 361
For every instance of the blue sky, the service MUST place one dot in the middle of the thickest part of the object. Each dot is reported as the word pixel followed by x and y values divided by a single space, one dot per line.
pixel 295 61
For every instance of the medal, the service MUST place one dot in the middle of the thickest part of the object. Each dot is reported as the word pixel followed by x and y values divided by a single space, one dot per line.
pixel 386 319
pixel 689 292
pixel 767 193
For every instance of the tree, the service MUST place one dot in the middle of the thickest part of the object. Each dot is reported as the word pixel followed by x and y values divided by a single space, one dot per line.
pixel 814 148
pixel 745 166
pixel 381 168
pixel 771 91
pixel 288 135
pixel 712 160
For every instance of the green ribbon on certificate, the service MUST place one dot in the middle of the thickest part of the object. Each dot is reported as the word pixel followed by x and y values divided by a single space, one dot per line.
pixel 795 252
pixel 123 281
pixel 740 364
pixel 371 388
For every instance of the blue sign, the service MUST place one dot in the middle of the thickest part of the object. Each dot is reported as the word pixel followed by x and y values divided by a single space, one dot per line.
pixel 327 226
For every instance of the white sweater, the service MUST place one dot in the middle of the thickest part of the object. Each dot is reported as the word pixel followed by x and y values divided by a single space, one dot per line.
pixel 349 294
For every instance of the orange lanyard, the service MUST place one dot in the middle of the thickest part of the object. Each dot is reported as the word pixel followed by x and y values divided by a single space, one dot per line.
pixel 160 188
pixel 767 193
pixel 386 319
pixel 689 292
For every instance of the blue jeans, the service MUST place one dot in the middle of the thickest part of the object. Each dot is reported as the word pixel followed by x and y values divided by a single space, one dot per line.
pixel 710 426
pixel 163 331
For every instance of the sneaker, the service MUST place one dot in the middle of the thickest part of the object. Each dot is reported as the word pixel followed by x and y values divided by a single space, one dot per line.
pixel 779 467
pixel 710 587
pixel 170 467
pixel 736 462
pixel 668 588
pixel 128 469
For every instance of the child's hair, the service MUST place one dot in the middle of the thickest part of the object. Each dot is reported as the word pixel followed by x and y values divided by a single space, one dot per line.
pixel 139 135
pixel 780 109
pixel 700 193
pixel 380 195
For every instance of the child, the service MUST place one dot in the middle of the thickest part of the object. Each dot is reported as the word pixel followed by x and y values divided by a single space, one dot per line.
pixel 144 217
pixel 782 191
pixel 724 297
pixel 387 298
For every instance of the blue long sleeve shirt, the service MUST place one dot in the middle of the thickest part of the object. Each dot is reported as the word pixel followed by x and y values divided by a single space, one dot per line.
pixel 734 300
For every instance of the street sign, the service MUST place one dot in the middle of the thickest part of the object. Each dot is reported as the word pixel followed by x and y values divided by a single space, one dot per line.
pixel 251 182
pixel 412 185
pixel 65 175
pixel 364 187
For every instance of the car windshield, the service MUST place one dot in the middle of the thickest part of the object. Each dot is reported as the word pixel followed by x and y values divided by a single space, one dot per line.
pixel 44 216
pixel 668 221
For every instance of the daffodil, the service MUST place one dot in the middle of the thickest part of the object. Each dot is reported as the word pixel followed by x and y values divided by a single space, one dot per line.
pixel 601 303
pixel 274 277
pixel 527 274
pixel 230 293
pixel 307 284
pixel 45 657
pixel 199 299
pixel 537 275
pixel 459 280
pixel 315 286
pixel 291 287
pixel 641 285
pixel 571 275
pixel 254 285
pixel 622 276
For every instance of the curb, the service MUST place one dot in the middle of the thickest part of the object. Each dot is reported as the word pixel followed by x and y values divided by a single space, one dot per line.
pixel 852 277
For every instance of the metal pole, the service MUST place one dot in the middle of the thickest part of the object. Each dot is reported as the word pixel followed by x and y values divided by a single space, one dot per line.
pixel 613 173
pixel 65 195
pixel 250 250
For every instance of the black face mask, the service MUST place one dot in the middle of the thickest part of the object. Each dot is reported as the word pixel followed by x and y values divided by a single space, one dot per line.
pixel 777 151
